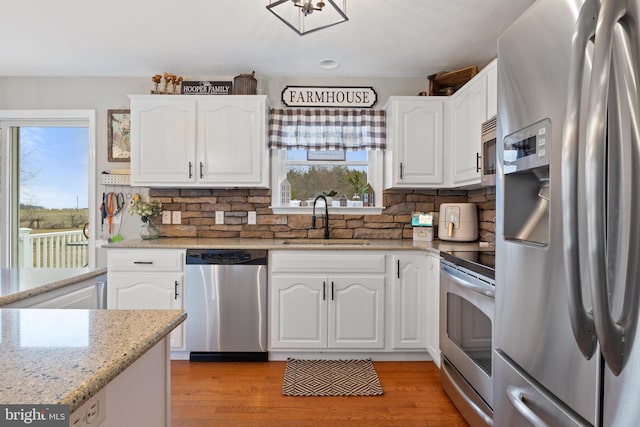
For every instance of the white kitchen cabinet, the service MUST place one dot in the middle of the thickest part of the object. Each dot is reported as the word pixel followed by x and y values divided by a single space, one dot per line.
pixel 87 294
pixel 492 89
pixel 414 154
pixel 433 307
pixel 409 300
pixel 163 135
pixel 298 311
pixel 464 114
pixel 138 396
pixel 141 279
pixel 199 141
pixel 326 300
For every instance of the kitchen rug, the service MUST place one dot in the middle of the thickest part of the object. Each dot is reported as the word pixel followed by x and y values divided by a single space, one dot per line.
pixel 330 378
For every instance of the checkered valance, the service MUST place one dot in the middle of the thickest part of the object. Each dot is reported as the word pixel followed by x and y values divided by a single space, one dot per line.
pixel 327 129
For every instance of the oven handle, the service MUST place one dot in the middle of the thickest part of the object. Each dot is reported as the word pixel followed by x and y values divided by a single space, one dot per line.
pixel 479 412
pixel 516 397
pixel 460 278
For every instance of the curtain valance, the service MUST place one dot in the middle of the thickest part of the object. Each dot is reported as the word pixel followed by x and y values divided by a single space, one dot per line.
pixel 327 129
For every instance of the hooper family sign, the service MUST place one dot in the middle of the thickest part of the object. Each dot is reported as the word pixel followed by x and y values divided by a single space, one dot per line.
pixel 329 96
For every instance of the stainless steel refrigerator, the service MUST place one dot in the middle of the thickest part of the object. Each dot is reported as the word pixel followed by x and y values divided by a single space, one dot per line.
pixel 566 348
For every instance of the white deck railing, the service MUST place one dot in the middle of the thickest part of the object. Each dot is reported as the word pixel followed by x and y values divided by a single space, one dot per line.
pixel 64 249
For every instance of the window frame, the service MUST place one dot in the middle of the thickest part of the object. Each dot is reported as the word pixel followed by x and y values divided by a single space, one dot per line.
pixel 51 118
pixel 279 165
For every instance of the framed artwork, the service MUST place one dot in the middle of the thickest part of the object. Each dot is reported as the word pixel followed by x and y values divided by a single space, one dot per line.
pixel 118 128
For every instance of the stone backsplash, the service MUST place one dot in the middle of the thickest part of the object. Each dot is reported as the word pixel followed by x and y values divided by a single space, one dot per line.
pixel 198 208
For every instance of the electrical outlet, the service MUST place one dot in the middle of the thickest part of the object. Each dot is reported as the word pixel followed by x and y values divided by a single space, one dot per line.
pixel 176 217
pixel 251 218
pixel 219 217
pixel 166 217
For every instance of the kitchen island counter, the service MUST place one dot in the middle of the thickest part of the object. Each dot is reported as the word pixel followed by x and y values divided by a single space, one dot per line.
pixel 67 356
pixel 20 283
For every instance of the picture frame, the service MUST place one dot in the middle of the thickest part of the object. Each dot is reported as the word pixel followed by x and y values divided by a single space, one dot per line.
pixel 119 135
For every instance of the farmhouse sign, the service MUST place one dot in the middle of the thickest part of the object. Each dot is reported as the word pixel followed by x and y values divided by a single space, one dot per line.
pixel 329 96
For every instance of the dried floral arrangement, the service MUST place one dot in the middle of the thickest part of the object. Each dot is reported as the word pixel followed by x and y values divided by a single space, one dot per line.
pixel 145 210
pixel 169 79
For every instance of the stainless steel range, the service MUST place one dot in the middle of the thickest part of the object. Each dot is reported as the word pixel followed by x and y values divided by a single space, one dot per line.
pixel 467 288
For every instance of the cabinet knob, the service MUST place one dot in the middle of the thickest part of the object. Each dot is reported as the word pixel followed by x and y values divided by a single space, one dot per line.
pixel 175 296
pixel 201 170
pixel 190 170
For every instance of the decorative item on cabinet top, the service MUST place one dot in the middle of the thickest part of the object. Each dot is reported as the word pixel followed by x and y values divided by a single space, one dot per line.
pixel 448 82
pixel 245 84
pixel 206 87
pixel 168 79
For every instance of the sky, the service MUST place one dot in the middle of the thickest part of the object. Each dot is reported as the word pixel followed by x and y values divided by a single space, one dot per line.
pixel 54 164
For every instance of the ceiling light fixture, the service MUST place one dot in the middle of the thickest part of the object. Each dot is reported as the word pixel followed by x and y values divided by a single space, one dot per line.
pixel 307 16
pixel 328 64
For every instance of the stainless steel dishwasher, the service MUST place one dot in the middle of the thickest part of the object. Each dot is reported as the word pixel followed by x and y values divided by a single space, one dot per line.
pixel 226 303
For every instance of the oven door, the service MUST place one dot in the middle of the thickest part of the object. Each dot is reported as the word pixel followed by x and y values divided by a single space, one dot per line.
pixel 466 327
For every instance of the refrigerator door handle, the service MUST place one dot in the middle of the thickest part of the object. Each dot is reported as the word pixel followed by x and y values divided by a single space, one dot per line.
pixel 616 33
pixel 582 322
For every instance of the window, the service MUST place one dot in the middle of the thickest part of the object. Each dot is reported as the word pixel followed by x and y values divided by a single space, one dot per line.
pixel 48 194
pixel 337 153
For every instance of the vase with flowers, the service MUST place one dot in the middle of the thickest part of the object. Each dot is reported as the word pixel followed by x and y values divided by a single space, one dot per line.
pixel 146 210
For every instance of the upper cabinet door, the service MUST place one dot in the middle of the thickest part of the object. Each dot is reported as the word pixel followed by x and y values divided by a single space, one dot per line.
pixel 414 155
pixel 162 140
pixel 468 112
pixel 199 141
pixel 492 89
pixel 231 142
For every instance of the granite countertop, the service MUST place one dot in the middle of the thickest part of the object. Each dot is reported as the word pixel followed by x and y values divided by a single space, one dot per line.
pixel 292 244
pixel 67 356
pixel 21 283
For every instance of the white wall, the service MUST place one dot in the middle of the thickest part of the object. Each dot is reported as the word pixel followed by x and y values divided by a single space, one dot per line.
pixel 105 93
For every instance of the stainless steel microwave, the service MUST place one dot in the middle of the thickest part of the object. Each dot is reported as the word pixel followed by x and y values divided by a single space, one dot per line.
pixel 488 156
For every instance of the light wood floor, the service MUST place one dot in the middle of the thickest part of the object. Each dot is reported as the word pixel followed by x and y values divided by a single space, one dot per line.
pixel 249 394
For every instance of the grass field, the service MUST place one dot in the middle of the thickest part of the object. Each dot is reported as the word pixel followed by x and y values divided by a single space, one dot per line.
pixel 47 220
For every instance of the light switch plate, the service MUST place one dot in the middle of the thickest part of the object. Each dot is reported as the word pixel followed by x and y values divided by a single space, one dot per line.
pixel 176 217
pixel 166 217
pixel 251 218
pixel 219 217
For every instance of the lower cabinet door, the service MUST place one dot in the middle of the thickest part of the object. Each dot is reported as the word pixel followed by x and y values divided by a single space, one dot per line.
pixel 356 312
pixel 298 312
pixel 148 292
pixel 319 312
pixel 409 301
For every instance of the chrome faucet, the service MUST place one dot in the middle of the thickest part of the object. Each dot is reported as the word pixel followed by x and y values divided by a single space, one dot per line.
pixel 326 215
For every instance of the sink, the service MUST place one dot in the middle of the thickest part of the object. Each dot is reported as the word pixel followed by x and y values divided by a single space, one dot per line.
pixel 327 242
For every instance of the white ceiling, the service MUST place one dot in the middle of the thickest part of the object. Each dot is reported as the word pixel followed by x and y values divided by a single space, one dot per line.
pixel 200 38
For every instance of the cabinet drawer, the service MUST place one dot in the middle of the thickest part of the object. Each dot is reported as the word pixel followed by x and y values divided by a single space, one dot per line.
pixel 145 260
pixel 327 262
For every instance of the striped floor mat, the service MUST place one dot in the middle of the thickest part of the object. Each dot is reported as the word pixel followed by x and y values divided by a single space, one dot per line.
pixel 330 378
